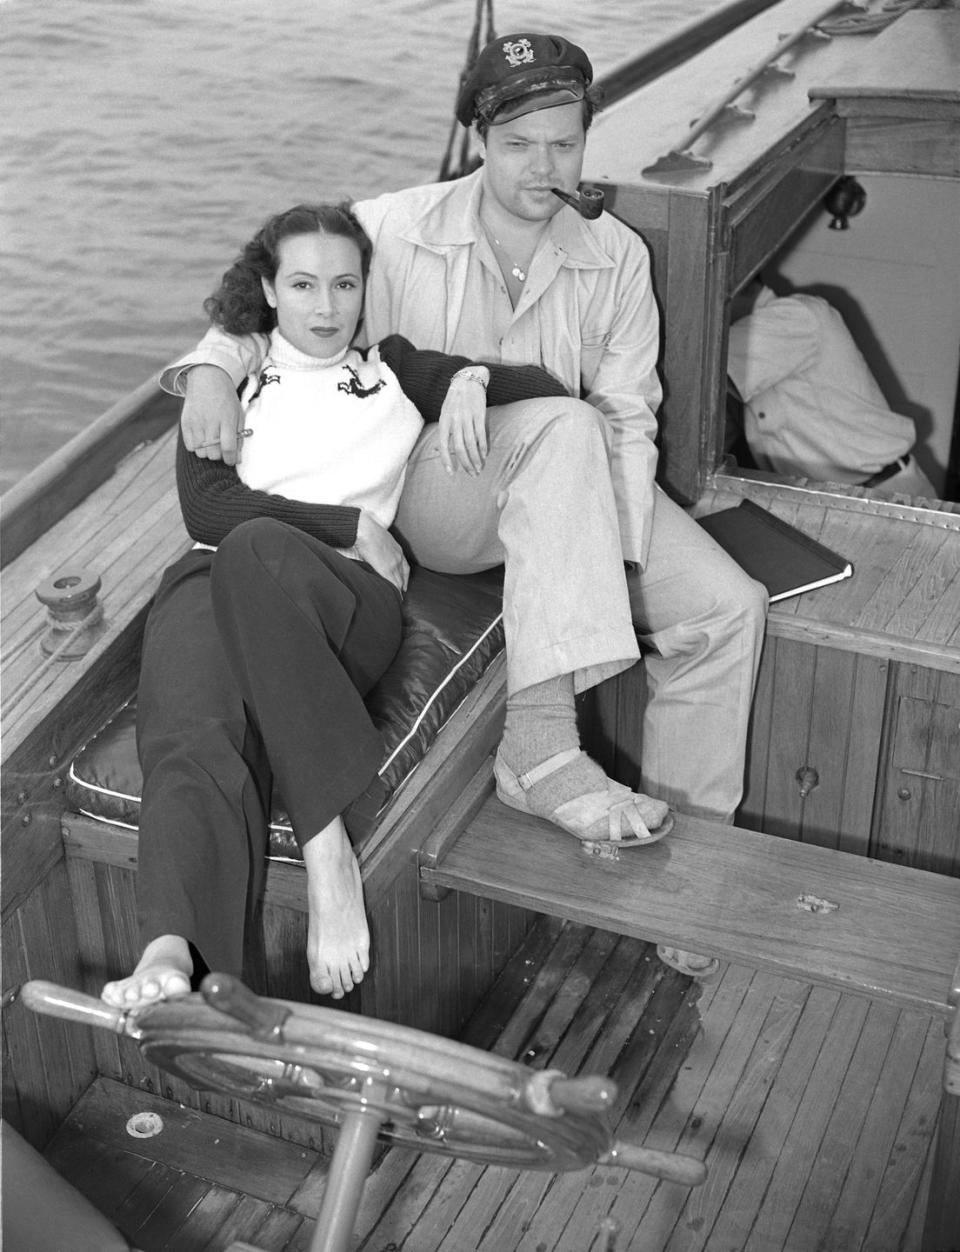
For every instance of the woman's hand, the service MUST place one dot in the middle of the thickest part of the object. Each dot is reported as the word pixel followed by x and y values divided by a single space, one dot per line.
pixel 463 421
pixel 211 414
pixel 378 548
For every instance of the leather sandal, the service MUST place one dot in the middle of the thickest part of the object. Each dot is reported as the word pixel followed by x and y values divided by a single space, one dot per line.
pixel 617 804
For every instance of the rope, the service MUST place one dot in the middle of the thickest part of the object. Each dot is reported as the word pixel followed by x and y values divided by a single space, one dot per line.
pixel 10 702
pixel 870 23
pixel 483 31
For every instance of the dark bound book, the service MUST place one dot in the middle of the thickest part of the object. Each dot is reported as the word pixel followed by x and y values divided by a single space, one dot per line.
pixel 773 552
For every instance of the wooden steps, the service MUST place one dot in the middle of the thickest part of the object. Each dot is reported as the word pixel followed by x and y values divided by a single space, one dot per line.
pixel 776 904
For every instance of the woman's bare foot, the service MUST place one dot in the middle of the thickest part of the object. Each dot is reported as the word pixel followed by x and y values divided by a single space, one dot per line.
pixel 162 973
pixel 338 938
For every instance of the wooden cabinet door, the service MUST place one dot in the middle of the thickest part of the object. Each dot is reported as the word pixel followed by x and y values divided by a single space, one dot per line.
pixel 919 817
pixel 814 745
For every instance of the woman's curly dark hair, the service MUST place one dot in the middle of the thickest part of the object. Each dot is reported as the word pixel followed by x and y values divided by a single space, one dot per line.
pixel 239 305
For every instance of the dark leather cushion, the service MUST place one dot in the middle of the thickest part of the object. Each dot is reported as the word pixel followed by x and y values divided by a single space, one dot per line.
pixel 453 629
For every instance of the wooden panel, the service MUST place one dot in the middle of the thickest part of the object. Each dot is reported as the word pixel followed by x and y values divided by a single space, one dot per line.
pixel 898 145
pixel 767 212
pixel 790 722
pixel 687 318
pixel 920 797
pixel 47 1063
pixel 759 739
pixel 819 710
pixel 732 893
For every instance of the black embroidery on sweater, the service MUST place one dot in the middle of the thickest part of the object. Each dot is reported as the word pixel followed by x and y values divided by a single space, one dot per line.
pixel 353 387
pixel 265 378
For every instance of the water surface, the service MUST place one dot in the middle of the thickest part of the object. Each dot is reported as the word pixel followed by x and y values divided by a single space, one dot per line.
pixel 144 142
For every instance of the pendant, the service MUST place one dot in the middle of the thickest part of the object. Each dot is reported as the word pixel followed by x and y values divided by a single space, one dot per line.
pixel 518 273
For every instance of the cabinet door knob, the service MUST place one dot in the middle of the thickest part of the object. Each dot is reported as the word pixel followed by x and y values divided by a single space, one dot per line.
pixel 808 778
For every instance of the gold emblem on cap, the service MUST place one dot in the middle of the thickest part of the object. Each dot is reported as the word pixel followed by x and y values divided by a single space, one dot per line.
pixel 518 52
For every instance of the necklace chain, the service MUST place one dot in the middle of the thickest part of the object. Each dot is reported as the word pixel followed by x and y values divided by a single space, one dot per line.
pixel 518 273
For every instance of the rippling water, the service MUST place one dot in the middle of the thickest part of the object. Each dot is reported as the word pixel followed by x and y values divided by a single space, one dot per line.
pixel 144 141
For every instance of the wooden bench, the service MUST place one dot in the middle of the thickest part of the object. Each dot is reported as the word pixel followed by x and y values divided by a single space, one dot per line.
pixel 827 917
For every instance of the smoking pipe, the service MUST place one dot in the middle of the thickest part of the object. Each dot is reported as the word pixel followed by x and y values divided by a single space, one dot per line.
pixel 588 203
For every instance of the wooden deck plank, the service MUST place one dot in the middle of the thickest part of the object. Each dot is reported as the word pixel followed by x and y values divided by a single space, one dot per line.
pixel 772 1221
pixel 468 1197
pixel 867 544
pixel 403 1182
pixel 851 1217
pixel 220 1211
pixel 902 1178
pixel 930 611
pixel 697 1211
pixel 242 1219
pixel 895 932
pixel 904 593
pixel 656 1040
pixel 104 1174
pixel 842 1134
pixel 145 475
pixel 565 1037
pixel 672 1115
pixel 278 1229
pixel 710 1129
pixel 139 1203
pixel 767 1142
pixel 168 1218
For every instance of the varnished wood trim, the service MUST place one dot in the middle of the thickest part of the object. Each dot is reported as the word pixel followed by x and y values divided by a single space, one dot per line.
pixel 446 832
pixel 865 642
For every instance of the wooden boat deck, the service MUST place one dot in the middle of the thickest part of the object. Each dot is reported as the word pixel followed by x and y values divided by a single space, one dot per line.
pixel 903 601
pixel 814 1111
pixel 125 531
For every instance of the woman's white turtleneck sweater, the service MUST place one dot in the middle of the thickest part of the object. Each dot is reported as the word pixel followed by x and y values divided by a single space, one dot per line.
pixel 327 431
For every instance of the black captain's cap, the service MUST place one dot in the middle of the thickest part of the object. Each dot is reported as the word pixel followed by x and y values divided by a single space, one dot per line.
pixel 519 74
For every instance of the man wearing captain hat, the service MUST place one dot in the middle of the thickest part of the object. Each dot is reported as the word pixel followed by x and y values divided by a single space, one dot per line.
pixel 519 74
pixel 495 266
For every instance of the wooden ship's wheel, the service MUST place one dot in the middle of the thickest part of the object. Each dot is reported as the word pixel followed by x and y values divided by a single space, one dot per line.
pixel 372 1080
